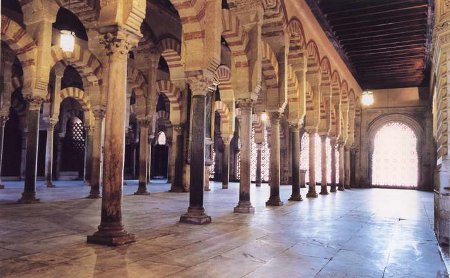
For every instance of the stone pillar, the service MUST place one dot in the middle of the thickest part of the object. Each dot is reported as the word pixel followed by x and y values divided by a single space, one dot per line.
pixel 258 164
pixel 341 167
pixel 99 115
pixel 58 155
pixel 88 154
pixel 196 213
pixel 3 120
pixel 143 156
pixel 49 153
pixel 226 162
pixel 333 164
pixel 245 124
pixel 111 231
pixel 23 153
pixel 295 152
pixel 312 165
pixel 178 158
pixel 275 160
pixel 33 108
pixel 323 165
pixel 347 167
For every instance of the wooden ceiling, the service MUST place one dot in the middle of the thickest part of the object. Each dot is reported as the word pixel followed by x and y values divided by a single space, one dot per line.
pixel 385 43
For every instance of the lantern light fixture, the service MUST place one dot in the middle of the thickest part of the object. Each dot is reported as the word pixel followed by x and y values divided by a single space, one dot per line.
pixel 67 41
pixel 264 117
pixel 367 98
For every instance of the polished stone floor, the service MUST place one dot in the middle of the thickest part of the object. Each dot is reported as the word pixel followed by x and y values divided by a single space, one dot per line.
pixel 356 233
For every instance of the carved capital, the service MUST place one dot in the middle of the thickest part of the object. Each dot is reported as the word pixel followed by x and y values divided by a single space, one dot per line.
pixel 99 113
pixel 116 43
pixel 245 103
pixel 34 103
pixel 200 84
pixel 310 130
pixel 178 128
pixel 52 122
pixel 275 117
pixel 3 120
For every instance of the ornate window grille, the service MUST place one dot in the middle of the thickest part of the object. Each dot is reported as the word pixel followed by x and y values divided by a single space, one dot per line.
pixel 395 158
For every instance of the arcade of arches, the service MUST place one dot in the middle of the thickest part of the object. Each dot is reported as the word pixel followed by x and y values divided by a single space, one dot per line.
pixel 255 102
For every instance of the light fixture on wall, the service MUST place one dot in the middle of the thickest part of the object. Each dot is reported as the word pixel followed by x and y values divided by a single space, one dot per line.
pixel 367 98
pixel 67 39
pixel 264 117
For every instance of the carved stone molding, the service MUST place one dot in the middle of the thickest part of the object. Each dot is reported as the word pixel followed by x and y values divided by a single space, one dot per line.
pixel 200 84
pixel 34 103
pixel 99 113
pixel 116 43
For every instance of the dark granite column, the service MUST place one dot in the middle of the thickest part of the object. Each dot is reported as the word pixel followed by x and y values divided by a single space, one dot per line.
pixel 245 124
pixel 143 157
pixel 111 231
pixel 3 120
pixel 33 108
pixel 58 156
pixel 274 199
pixel 49 153
pixel 99 115
pixel 226 162
pixel 333 164
pixel 178 159
pixel 295 144
pixel 312 165
pixel 347 167
pixel 258 164
pixel 323 165
pixel 341 167
pixel 196 213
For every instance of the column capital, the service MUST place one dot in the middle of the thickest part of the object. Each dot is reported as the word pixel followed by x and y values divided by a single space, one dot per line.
pixel 200 84
pixel 3 120
pixel 144 122
pixel 34 103
pixel 245 103
pixel 275 117
pixel 117 41
pixel 178 128
pixel 99 113
pixel 310 130
pixel 294 127
pixel 52 122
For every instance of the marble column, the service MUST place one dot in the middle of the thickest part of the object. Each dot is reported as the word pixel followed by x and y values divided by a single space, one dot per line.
pixel 59 147
pixel 33 109
pixel 178 158
pixel 3 120
pixel 226 163
pixel 111 231
pixel 341 167
pixel 88 154
pixel 196 213
pixel 323 165
pixel 295 153
pixel 347 167
pixel 49 153
pixel 143 156
pixel 333 164
pixel 258 164
pixel 312 165
pixel 274 199
pixel 99 115
pixel 245 125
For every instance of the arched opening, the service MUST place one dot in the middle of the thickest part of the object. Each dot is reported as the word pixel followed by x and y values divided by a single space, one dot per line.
pixel 395 161
pixel 160 157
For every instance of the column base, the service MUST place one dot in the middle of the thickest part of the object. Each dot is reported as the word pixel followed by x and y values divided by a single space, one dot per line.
pixel 177 189
pixel 312 194
pixel 94 196
pixel 207 189
pixel 347 187
pixel 195 216
pixel 333 188
pixel 258 185
pixel 111 238
pixel 50 185
pixel 296 198
pixel 28 198
pixel 302 186
pixel 142 189
pixel 224 186
pixel 324 192
pixel 244 207
pixel 2 186
pixel 341 188
pixel 275 201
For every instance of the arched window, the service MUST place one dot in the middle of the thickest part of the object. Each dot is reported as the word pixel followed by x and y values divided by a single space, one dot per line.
pixel 395 158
